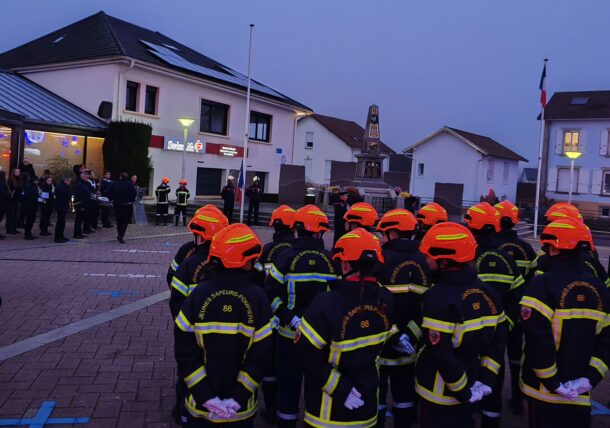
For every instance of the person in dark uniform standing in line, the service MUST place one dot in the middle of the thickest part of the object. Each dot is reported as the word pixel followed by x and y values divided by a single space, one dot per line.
pixel 123 196
pixel 15 187
pixel 341 207
pixel 4 197
pixel 94 209
pixel 63 195
pixel 429 215
pixel 105 187
pixel 162 194
pixel 82 197
pixel 29 203
pixel 47 195
pixel 254 193
pixel 228 196
pixel 182 198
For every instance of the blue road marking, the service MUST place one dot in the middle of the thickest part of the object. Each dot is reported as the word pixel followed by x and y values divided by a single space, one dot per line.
pixel 597 409
pixel 168 244
pixel 42 418
pixel 116 293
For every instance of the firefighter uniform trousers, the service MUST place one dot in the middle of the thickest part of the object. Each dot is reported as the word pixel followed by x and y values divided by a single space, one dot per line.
pixel 498 269
pixel 162 194
pixel 182 196
pixel 339 341
pixel 405 274
pixel 299 274
pixel 564 314
pixel 464 329
pixel 223 337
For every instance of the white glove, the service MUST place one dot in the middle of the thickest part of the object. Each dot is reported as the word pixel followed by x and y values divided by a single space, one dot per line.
pixel 484 389
pixel 216 408
pixel 404 345
pixel 232 407
pixel 353 400
pixel 475 394
pixel 566 392
pixel 295 322
pixel 580 385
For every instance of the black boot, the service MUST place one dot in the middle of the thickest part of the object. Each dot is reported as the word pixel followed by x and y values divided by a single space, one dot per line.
pixel 184 221
pixel 177 218
pixel 164 220
pixel 269 394
pixel 402 417
pixel 516 399
pixel 381 413
pixel 157 220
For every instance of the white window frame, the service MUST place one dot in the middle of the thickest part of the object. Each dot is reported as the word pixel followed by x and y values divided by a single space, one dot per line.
pixel 605 192
pixel 564 142
pixel 308 140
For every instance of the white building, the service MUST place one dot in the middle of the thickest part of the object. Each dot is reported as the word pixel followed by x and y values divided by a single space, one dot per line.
pixel 462 166
pixel 151 78
pixel 578 121
pixel 323 139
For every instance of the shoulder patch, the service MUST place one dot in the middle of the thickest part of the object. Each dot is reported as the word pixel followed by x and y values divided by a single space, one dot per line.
pixel 526 313
pixel 297 336
pixel 434 336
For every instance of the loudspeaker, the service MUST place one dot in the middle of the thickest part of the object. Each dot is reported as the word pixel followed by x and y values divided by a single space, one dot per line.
pixel 105 110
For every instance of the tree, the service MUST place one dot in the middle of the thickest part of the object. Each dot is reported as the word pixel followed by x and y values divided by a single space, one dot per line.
pixel 126 149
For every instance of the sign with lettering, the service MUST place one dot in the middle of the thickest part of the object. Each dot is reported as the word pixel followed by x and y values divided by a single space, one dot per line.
pixel 191 146
pixel 224 150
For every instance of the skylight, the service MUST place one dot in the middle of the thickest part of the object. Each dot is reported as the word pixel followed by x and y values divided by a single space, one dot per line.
pixel 579 101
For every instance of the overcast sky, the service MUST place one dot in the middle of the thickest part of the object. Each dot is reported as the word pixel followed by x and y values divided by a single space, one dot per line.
pixel 470 64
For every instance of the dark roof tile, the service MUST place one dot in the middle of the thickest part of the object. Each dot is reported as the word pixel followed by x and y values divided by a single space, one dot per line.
pixel 488 146
pixel 560 106
pixel 347 131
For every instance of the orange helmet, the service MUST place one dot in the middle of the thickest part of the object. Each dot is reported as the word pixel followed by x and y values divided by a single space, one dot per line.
pixel 449 241
pixel 283 215
pixel 508 209
pixel 397 219
pixel 311 219
pixel 358 245
pixel 183 181
pixel 234 246
pixel 567 234
pixel 431 213
pixel 207 221
pixel 562 210
pixel 362 213
pixel 482 214
pixel 165 180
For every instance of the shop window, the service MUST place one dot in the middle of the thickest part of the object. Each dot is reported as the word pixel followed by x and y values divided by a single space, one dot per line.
pixel 5 149
pixel 260 126
pixel 54 151
pixel 563 180
pixel 131 96
pixel 95 157
pixel 150 102
pixel 214 117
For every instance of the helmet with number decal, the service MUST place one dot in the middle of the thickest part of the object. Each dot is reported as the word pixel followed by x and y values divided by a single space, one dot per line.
pixel 397 219
pixel 311 219
pixel 482 216
pixel 358 245
pixel 207 221
pixel 431 214
pixel 234 246
pixel 450 241
pixel 361 213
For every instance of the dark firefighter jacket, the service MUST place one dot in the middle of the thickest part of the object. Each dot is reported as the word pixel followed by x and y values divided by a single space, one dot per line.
pixel 564 315
pixel 188 275
pixel 588 258
pixel 162 194
pixel 186 250
pixel 182 196
pixel 339 340
pixel 222 339
pixel 271 251
pixel 521 252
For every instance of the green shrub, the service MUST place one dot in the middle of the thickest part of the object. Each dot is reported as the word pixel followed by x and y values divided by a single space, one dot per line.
pixel 126 149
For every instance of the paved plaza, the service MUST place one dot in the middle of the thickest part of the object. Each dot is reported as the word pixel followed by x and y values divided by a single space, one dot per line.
pixel 86 326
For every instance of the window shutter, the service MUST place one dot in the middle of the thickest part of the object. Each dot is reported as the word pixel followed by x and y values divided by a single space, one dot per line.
pixel 583 180
pixel 596 182
pixel 603 143
pixel 559 142
pixel 552 180
pixel 582 144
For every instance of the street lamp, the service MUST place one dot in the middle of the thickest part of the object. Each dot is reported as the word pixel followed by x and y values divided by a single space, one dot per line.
pixel 572 155
pixel 185 122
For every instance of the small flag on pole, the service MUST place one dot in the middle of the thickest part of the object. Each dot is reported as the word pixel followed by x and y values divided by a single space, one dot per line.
pixel 543 87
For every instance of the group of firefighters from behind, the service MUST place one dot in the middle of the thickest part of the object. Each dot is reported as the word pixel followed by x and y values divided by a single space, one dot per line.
pixel 428 312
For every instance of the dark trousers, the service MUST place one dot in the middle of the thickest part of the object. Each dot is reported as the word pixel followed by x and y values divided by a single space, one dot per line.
pixel 491 405
pixel 123 216
pixel 401 381
pixel 94 213
pixel 21 217
pixel 514 348
pixel 162 210
pixel 12 211
pixel 436 416
pixel 544 415
pixel 228 210
pixel 45 216
pixel 253 206
pixel 202 423
pixel 289 380
pixel 180 209
pixel 60 224
pixel 29 215
pixel 79 218
pixel 105 210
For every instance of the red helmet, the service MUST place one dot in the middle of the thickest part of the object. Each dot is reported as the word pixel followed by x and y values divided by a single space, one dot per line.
pixel 508 209
pixel 562 210
pixel 207 221
pixel 234 246
pixel 567 234
pixel 481 215
pixel 283 215
pixel 358 245
pixel 310 218
pixel 165 180
pixel 449 241
pixel 397 219
pixel 183 182
pixel 362 213
pixel 431 213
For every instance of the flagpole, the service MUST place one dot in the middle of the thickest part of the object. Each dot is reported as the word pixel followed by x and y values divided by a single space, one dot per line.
pixel 247 126
pixel 539 173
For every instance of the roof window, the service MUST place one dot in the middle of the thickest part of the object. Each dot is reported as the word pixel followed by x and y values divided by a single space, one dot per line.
pixel 579 101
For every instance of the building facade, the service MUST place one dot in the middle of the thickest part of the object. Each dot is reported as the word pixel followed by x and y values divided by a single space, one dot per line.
pixel 578 122
pixel 145 76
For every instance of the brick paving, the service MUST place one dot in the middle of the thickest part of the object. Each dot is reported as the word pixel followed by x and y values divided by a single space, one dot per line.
pixel 119 373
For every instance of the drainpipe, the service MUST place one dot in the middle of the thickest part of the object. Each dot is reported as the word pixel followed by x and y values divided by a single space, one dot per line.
pixel 118 89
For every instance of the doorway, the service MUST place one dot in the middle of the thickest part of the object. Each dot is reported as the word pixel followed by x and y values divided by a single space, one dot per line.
pixel 209 181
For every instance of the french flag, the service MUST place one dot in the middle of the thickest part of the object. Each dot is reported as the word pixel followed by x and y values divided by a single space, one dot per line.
pixel 543 87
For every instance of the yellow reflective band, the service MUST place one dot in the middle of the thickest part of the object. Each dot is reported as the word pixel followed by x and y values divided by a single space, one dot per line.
pixel 476 210
pixel 490 364
pixel 276 274
pixel 362 209
pixel 398 288
pixel 180 286
pixel 454 237
pixel 318 213
pixel 350 236
pixel 599 365
pixel 544 395
pixel 195 377
pixel 286 332
pixel 438 325
pixel 522 263
pixel 174 265
pixel 541 307
pixel 248 383
pixel 362 342
pixel 496 277
pixel 475 324
pixel 277 302
pixel 183 323
pixel 458 384
pixel 546 373
pixel 607 282
pixel 428 395
pixel 318 422
pixel 263 332
pixel 560 225
pixel 259 267
pixel 224 328
pixel 206 218
pixel 518 282
pixel 401 361
pixel 428 208
pixel 580 313
pixel 414 329
pixel 332 382
pixel 239 239
pixel 417 289
pixel 311 334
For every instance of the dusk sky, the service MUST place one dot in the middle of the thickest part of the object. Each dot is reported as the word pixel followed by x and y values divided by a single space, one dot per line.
pixel 473 64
